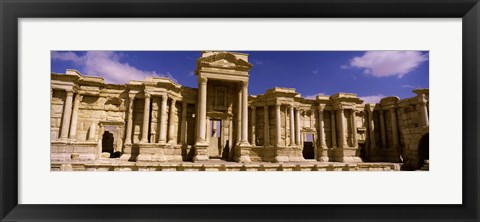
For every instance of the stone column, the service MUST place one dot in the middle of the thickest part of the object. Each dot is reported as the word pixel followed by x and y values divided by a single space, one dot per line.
pixel 163 120
pixel 245 112
pixel 208 130
pixel 277 125
pixel 298 140
pixel 321 128
pixel 333 128
pixel 382 129
pixel 371 128
pixel 239 114
pixel 67 114
pixel 394 128
pixel 73 125
pixel 343 142
pixel 128 136
pixel 146 114
pixel 354 129
pixel 92 131
pixel 292 127
pixel 423 110
pixel 230 135
pixel 171 125
pixel 183 128
pixel 202 110
pixel 266 127
pixel 254 122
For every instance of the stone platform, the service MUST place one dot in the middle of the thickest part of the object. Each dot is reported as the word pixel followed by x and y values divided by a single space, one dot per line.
pixel 218 165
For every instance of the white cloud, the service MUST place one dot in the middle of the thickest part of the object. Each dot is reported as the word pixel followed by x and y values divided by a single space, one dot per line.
pixel 67 56
pixel 408 86
pixel 372 98
pixel 315 71
pixel 258 62
pixel 107 65
pixel 314 96
pixel 388 63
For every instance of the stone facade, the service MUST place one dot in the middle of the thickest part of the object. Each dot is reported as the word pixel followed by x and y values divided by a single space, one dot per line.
pixel 158 120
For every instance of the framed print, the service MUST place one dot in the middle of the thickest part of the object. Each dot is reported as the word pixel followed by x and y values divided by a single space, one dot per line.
pixel 209 110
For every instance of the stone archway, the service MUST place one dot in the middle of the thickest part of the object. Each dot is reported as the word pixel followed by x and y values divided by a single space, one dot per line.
pixel 423 150
pixel 107 142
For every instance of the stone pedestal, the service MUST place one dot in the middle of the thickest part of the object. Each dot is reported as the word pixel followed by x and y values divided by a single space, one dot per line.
pixel 242 153
pixel 322 154
pixel 281 154
pixel 151 152
pixel 201 152
pixel 349 155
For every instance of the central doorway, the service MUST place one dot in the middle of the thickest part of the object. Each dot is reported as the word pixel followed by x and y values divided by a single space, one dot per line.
pixel 107 142
pixel 308 147
pixel 215 134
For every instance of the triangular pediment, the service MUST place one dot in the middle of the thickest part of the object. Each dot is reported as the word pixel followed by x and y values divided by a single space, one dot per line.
pixel 224 60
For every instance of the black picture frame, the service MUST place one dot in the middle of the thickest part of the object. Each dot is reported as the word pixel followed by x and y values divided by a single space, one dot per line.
pixel 11 11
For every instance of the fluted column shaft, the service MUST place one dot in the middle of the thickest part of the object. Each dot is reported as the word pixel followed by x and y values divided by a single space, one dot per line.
pixel 277 125
pixel 239 114
pixel 321 127
pixel 333 128
pixel 266 127
pixel 183 127
pixel 354 129
pixel 254 122
pixel 171 125
pixel 67 114
pixel 163 120
pixel 424 110
pixel 292 126
pixel 128 136
pixel 202 109
pixel 73 125
pixel 341 125
pixel 146 114
pixel 394 128
pixel 245 112
pixel 371 127
pixel 383 135
pixel 298 140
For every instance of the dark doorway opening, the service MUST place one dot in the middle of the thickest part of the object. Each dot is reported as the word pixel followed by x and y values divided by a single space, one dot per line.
pixel 363 151
pixel 308 147
pixel 423 150
pixel 107 142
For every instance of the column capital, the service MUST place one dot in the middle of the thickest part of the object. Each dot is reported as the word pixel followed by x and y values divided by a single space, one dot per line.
pixel 184 104
pixel 174 100
pixel 78 97
pixel 253 107
pixel 277 105
pixel 422 99
pixel 321 107
pixel 131 97
pixel 202 80
pixel 164 97
pixel 69 92
pixel 243 84
pixel 148 95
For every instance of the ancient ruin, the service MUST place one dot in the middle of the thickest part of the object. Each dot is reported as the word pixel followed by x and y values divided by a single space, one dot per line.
pixel 158 123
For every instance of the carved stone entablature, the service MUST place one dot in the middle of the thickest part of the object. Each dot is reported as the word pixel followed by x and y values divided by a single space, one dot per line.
pixel 341 105
pixel 389 101
pixel 223 60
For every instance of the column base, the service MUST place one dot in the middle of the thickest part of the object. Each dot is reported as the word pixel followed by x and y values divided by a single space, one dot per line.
pixel 322 154
pixel 200 152
pixel 242 153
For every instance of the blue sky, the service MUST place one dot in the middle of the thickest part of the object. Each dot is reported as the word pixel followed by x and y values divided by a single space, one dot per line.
pixel 370 74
